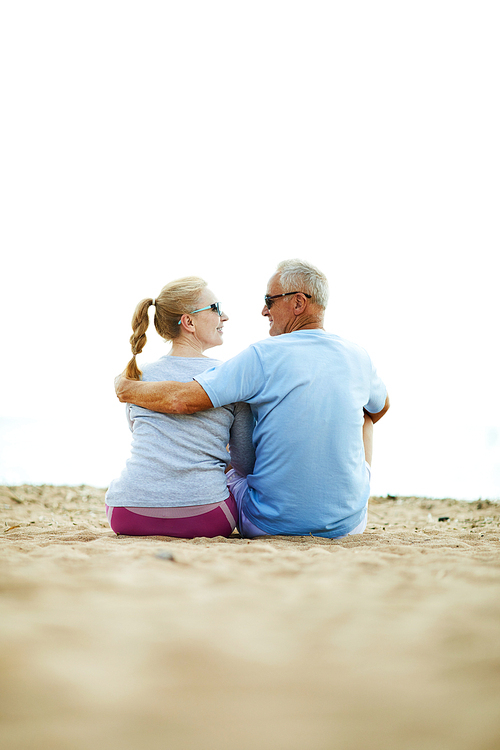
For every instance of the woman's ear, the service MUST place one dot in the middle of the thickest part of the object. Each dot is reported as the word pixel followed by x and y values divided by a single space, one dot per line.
pixel 186 322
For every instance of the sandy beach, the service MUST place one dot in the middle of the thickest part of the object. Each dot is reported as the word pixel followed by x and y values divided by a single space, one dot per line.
pixel 389 640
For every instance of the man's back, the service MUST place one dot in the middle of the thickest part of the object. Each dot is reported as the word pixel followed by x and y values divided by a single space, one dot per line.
pixel 307 391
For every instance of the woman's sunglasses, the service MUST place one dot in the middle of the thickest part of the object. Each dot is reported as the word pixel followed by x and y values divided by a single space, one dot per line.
pixel 215 306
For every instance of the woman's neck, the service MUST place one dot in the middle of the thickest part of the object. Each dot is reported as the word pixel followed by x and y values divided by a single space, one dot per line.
pixel 186 349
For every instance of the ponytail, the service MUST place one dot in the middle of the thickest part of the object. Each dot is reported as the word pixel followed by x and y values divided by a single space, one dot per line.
pixel 140 323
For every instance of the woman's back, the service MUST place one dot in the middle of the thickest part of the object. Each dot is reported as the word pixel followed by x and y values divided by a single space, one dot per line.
pixel 180 460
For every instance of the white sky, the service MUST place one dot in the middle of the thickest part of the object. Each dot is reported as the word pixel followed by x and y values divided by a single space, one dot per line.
pixel 145 141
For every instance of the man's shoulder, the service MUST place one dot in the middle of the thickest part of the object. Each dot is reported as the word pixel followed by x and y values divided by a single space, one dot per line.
pixel 296 341
pixel 314 337
pixel 338 347
pixel 354 350
pixel 288 341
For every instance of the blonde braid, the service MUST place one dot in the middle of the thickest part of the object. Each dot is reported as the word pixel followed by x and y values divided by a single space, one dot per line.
pixel 140 323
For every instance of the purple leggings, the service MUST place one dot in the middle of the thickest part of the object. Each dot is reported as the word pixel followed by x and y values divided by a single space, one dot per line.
pixel 216 519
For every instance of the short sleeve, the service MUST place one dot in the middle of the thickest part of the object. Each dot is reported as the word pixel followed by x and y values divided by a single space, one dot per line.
pixel 238 379
pixel 378 392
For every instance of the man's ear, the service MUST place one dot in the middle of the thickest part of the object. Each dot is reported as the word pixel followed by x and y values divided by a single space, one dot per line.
pixel 299 304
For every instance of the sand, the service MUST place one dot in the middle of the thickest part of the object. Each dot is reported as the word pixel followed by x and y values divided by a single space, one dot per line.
pixel 388 640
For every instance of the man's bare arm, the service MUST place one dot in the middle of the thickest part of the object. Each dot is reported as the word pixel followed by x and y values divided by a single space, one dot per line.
pixel 167 396
pixel 379 414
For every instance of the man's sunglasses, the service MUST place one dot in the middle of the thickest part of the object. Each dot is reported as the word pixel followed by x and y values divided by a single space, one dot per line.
pixel 215 306
pixel 269 300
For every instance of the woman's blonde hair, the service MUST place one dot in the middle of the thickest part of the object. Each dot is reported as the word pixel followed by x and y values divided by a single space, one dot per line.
pixel 175 299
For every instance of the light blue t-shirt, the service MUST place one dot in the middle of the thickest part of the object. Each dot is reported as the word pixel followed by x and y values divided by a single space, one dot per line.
pixel 307 391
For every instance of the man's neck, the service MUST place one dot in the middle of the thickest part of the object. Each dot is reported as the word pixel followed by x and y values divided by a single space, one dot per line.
pixel 305 323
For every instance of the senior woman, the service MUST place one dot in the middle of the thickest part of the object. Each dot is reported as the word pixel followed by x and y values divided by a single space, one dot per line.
pixel 174 482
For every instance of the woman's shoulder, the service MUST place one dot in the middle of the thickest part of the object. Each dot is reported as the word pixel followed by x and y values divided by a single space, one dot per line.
pixel 177 368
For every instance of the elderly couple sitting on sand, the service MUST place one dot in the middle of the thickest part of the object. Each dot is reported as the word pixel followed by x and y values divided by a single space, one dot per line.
pixel 296 410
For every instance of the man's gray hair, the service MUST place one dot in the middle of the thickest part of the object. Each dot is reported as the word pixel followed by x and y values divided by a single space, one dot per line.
pixel 300 276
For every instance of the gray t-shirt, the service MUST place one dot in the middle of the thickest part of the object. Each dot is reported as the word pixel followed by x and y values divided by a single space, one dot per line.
pixel 179 460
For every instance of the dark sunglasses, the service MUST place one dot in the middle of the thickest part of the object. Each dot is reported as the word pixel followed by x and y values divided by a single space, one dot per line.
pixel 215 306
pixel 269 300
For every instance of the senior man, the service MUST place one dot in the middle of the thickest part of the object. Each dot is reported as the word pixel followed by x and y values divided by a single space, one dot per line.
pixel 314 397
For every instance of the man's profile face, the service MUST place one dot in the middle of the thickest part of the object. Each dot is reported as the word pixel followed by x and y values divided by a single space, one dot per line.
pixel 280 315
